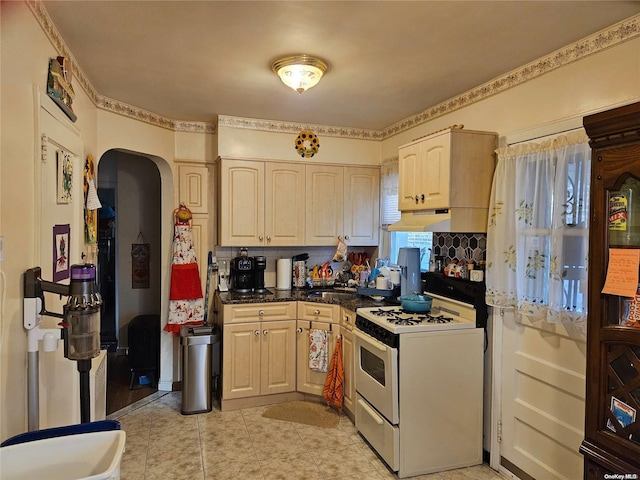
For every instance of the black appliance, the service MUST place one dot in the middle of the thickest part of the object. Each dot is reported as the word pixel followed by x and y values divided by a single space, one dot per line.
pixel 144 348
pixel 242 272
pixel 260 264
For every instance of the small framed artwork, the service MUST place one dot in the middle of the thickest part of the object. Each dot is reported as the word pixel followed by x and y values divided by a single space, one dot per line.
pixel 65 176
pixel 140 256
pixel 61 237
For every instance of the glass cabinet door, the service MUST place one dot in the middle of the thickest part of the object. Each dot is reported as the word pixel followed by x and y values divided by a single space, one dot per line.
pixel 623 358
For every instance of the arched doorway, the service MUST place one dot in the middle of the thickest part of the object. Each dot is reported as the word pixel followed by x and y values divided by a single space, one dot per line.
pixel 130 221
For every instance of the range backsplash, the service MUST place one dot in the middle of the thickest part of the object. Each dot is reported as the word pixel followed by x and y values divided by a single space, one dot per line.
pixel 455 245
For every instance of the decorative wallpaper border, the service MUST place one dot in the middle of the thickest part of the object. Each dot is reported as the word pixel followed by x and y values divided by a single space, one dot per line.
pixel 614 35
pixel 292 127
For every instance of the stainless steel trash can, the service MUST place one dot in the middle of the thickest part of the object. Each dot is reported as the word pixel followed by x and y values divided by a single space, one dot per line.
pixel 196 344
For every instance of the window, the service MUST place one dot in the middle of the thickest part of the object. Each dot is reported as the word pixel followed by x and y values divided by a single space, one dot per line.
pixel 422 240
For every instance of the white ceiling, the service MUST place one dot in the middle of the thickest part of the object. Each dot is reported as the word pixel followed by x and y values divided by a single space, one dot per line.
pixel 194 60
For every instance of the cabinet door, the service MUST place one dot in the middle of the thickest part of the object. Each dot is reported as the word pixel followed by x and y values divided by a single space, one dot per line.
pixel 435 173
pixel 278 357
pixel 200 235
pixel 284 204
pixel 324 205
pixel 241 203
pixel 410 191
pixel 361 205
pixel 193 183
pixel 241 360
pixel 348 353
pixel 309 380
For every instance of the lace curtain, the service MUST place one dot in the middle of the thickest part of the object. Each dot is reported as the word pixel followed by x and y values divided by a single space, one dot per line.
pixel 389 189
pixel 537 237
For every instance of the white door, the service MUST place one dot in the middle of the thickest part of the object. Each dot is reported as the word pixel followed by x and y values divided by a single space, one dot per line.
pixel 542 398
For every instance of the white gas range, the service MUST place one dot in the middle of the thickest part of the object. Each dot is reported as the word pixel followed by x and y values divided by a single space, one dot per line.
pixel 445 314
pixel 419 379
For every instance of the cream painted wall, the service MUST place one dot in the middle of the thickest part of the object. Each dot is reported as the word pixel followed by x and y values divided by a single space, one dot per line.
pixel 24 56
pixel 599 82
pixel 253 144
pixel 196 147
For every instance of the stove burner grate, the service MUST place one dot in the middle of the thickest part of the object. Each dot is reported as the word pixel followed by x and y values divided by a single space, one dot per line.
pixel 404 321
pixel 438 319
pixel 385 313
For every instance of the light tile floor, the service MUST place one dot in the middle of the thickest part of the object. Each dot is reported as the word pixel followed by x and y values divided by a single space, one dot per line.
pixel 163 444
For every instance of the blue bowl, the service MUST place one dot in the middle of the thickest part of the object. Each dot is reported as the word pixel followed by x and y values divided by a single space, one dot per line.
pixel 415 303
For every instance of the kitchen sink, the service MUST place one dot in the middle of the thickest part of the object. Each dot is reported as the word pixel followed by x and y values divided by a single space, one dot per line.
pixel 336 295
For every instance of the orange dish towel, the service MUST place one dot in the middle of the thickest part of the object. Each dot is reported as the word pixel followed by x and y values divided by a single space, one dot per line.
pixel 334 386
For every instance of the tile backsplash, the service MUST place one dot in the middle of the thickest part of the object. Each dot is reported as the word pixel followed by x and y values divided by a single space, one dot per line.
pixel 459 246
pixel 448 245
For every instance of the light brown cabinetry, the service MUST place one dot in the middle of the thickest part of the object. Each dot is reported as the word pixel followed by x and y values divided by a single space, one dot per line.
pixel 309 380
pixel 342 203
pixel 319 316
pixel 259 357
pixel 193 191
pixel 293 204
pixel 347 321
pixel 452 168
pixel 261 203
pixel 193 185
pixel 612 428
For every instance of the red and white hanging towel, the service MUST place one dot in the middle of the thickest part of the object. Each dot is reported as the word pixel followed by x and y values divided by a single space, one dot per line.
pixel 186 305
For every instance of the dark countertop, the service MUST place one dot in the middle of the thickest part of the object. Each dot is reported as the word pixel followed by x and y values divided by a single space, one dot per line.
pixel 303 295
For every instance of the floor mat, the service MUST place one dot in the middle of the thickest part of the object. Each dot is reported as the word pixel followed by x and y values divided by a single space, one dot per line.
pixel 307 413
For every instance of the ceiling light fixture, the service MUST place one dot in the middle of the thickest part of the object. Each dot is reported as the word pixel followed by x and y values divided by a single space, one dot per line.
pixel 300 72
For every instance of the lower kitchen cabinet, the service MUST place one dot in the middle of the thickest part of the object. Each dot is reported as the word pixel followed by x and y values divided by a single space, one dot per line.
pixel 259 358
pixel 347 320
pixel 310 380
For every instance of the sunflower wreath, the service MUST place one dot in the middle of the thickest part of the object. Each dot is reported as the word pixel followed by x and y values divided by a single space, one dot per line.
pixel 307 144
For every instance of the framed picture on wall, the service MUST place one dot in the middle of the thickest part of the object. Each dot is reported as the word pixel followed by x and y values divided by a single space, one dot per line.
pixel 61 237
pixel 65 176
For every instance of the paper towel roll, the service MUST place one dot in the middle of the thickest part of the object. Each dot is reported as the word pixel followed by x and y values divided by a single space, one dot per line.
pixel 283 274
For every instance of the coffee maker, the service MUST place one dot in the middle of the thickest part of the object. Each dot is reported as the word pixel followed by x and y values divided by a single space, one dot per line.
pixel 243 272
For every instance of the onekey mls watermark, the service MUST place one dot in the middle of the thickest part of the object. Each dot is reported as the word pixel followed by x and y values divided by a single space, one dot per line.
pixel 621 476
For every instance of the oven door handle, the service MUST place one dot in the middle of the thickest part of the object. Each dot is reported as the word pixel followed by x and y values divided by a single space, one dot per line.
pixel 370 340
pixel 370 411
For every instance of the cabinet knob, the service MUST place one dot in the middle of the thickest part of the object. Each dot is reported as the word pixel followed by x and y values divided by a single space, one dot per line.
pixel 256 333
pixel 264 332
pixel 339 237
pixel 261 237
pixel 422 198
pixel 299 330
pixel 346 319
pixel 316 312
pixel 416 199
pixel 346 237
pixel 268 239
pixel 260 313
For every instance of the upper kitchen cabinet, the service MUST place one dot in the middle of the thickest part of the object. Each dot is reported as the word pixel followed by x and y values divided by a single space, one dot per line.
pixel 193 191
pixel 193 181
pixel 451 168
pixel 342 203
pixel 260 203
pixel 284 204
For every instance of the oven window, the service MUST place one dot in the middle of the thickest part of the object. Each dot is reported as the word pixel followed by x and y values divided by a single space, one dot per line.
pixel 373 365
